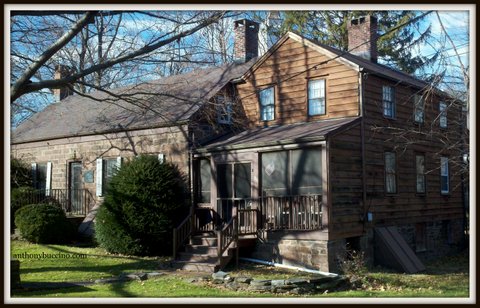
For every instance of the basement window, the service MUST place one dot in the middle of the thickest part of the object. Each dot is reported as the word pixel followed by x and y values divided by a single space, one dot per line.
pixel 420 237
pixel 267 104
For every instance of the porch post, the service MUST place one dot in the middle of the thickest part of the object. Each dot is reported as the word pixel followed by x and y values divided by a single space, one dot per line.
pixel 325 187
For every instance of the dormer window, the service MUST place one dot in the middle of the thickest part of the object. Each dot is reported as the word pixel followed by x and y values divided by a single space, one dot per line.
pixel 316 97
pixel 224 110
pixel 267 104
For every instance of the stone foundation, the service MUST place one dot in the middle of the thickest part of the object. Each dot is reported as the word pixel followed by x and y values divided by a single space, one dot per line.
pixel 443 238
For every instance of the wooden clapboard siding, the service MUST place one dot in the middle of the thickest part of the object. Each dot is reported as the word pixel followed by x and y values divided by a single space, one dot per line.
pixel 289 69
pixel 345 177
pixel 406 206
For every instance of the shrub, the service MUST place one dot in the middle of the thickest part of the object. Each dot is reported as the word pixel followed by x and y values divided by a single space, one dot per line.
pixel 354 268
pixel 20 197
pixel 44 224
pixel 144 201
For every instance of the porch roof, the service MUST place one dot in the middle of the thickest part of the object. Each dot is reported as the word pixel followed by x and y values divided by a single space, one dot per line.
pixel 280 135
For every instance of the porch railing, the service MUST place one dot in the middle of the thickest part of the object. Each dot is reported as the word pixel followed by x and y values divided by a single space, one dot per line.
pixel 299 212
pixel 291 212
pixel 74 202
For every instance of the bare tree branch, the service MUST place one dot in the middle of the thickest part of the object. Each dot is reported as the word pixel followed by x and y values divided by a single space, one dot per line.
pixel 17 89
pixel 35 86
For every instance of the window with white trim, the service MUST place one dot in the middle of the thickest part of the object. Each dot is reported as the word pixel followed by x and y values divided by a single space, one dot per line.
pixel 224 109
pixel 316 97
pixel 388 102
pixel 267 104
pixel 419 109
pixel 420 173
pixel 443 114
pixel 106 169
pixel 444 177
pixel 390 173
pixel 42 176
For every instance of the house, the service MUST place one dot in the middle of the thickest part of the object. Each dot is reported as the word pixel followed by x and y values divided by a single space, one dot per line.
pixel 339 152
pixel 75 144
pixel 331 151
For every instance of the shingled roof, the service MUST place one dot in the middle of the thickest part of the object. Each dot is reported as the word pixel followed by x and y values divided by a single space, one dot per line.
pixel 162 102
pixel 280 135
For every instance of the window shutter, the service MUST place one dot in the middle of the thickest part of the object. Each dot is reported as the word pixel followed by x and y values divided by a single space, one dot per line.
pixel 119 162
pixel 161 157
pixel 99 176
pixel 48 185
pixel 34 175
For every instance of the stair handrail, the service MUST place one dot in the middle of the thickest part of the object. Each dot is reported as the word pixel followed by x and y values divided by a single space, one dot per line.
pixel 182 233
pixel 226 236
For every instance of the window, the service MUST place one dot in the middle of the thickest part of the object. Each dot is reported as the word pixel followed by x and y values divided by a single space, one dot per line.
pixel 106 168
pixel 42 176
pixel 388 102
pixel 294 172
pixel 204 179
pixel 224 110
pixel 267 104
pixel 390 173
pixel 420 173
pixel 316 97
pixel 444 181
pixel 443 114
pixel 419 106
pixel 420 237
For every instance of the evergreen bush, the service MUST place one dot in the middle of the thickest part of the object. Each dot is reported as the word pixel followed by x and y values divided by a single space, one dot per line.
pixel 144 201
pixel 44 224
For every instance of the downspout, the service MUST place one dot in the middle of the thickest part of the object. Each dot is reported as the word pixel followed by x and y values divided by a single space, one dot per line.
pixel 362 136
pixel 296 268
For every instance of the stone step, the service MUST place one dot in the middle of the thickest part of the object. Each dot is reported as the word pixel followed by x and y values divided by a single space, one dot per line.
pixel 201 249
pixel 203 240
pixel 196 266
pixel 185 256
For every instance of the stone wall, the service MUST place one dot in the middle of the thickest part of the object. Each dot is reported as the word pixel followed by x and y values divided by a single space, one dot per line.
pixel 170 141
pixel 309 251
pixel 443 238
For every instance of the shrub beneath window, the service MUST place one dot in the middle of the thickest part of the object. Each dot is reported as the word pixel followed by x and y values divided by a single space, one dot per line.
pixel 144 201
pixel 44 224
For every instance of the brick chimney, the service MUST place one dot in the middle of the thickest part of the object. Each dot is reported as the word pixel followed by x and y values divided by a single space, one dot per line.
pixel 363 30
pixel 246 40
pixel 61 71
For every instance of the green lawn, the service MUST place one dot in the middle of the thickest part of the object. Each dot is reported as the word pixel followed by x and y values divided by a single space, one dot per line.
pixel 445 278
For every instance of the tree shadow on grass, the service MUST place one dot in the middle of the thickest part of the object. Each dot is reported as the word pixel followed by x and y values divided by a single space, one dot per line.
pixel 44 288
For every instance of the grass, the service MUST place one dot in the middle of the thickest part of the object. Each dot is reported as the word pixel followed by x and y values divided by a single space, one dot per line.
pixel 447 277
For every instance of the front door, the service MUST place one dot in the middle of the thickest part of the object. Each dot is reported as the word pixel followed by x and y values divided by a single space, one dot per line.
pixel 75 187
pixel 234 188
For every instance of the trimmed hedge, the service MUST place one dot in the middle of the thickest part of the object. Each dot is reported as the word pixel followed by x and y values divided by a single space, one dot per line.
pixel 44 224
pixel 143 203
